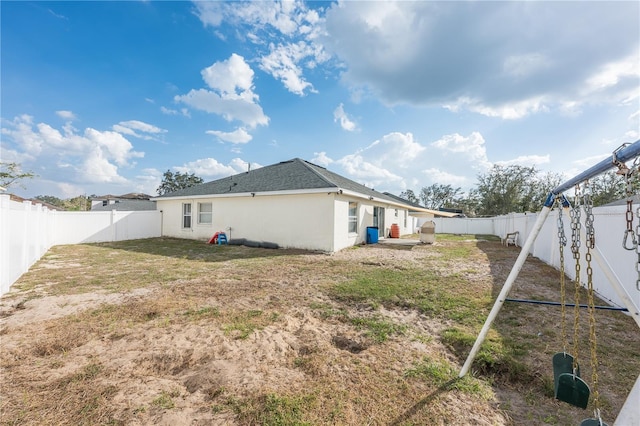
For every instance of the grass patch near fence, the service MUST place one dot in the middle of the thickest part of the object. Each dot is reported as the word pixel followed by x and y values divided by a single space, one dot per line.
pixel 143 331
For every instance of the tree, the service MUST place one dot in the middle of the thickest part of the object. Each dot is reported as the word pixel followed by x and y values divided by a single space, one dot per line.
pixel 409 195
pixel 438 195
pixel 50 199
pixel 608 187
pixel 175 181
pixel 508 189
pixel 12 174
pixel 470 204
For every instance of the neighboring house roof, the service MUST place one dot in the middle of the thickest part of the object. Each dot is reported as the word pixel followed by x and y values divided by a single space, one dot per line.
pixel 34 201
pixel 126 205
pixel 129 196
pixel 623 202
pixel 292 175
pixel 411 203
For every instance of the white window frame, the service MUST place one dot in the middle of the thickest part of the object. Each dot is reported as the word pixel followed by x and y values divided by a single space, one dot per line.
pixel 186 216
pixel 205 217
pixel 352 219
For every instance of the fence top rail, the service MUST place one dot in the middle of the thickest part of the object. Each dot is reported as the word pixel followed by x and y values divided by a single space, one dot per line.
pixel 626 153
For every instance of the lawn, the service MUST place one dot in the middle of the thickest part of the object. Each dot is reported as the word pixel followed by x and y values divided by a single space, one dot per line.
pixel 169 331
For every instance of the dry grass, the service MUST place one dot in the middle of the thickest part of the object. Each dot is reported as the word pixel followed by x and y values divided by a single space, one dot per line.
pixel 167 331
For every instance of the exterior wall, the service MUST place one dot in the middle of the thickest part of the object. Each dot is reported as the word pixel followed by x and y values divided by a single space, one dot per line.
pixel 293 221
pixel 306 221
pixel 345 239
pixel 341 235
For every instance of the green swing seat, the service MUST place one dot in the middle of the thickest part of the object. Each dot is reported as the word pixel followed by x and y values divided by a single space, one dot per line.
pixel 568 385
pixel 573 390
pixel 592 422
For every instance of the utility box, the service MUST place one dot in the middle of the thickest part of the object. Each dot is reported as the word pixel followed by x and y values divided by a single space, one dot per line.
pixel 428 232
pixel 372 234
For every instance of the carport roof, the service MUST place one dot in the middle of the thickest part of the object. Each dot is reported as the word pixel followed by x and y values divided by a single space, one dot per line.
pixel 292 175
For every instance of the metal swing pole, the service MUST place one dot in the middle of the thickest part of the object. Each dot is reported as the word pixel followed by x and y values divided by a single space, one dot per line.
pixel 506 288
pixel 622 154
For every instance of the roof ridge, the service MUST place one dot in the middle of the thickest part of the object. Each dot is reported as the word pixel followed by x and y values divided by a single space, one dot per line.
pixel 309 165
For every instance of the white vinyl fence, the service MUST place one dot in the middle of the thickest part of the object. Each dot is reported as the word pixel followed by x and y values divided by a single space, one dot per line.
pixel 609 223
pixel 27 231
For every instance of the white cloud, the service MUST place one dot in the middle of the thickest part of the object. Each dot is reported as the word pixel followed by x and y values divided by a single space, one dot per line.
pixel 345 122
pixel 399 149
pixel 92 156
pixel 67 115
pixel 520 66
pixel 585 163
pixel 169 111
pixel 20 130
pixel 500 59
pixel 321 159
pixel 213 169
pixel 367 173
pixel 507 111
pixel 232 94
pixel 283 63
pixel 294 27
pixel 436 175
pixel 610 74
pixel 526 160
pixel 471 147
pixel 69 190
pixel 249 113
pixel 133 127
pixel 238 136
pixel 230 78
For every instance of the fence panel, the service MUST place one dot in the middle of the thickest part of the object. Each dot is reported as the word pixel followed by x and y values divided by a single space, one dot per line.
pixel 27 231
pixel 609 225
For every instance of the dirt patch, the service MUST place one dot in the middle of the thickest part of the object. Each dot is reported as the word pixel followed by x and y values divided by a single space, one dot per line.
pixel 257 336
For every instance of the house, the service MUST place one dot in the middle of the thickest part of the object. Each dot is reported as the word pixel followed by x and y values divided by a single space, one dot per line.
pixel 35 201
pixel 292 204
pixel 422 214
pixel 127 202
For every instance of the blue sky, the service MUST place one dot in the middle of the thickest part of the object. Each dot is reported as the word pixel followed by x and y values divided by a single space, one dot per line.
pixel 103 97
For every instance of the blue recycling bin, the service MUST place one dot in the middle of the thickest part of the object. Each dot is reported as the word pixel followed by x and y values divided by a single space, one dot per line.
pixel 372 235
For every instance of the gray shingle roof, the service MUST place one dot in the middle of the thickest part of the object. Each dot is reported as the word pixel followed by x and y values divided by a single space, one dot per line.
pixel 289 175
pixel 127 205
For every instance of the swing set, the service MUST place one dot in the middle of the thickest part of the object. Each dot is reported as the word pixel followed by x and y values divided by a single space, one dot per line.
pixel 569 386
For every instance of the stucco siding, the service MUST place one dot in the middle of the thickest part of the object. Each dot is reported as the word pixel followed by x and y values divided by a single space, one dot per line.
pixel 299 221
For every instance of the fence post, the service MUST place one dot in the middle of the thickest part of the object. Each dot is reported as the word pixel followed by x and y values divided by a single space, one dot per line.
pixel 24 261
pixel 112 225
pixel 5 199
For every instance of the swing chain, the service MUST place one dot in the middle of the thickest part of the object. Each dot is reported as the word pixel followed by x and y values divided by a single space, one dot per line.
pixel 626 244
pixel 590 231
pixel 589 219
pixel 575 226
pixel 575 248
pixel 562 240
pixel 638 250
pixel 628 174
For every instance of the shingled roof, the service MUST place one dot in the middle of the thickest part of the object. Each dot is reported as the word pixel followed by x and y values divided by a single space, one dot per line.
pixel 292 175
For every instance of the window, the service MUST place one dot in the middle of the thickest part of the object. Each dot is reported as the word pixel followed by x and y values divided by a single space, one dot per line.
pixel 396 213
pixel 353 217
pixel 186 216
pixel 406 216
pixel 204 212
pixel 105 202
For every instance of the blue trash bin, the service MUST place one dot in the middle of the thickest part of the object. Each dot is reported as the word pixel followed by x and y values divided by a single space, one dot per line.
pixel 372 235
